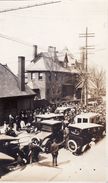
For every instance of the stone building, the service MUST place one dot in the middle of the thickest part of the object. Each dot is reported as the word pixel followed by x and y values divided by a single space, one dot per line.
pixel 50 77
pixel 14 94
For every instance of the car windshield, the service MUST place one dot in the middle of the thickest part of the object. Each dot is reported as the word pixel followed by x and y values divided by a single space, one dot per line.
pixel 46 128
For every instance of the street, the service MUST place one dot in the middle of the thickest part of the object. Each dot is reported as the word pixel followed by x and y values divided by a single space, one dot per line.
pixel 90 166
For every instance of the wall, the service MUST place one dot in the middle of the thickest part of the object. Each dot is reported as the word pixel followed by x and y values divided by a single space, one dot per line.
pixel 54 85
pixel 55 82
pixel 38 84
pixel 14 105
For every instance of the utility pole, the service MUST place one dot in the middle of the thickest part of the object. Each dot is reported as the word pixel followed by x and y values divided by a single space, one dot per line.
pixel 86 36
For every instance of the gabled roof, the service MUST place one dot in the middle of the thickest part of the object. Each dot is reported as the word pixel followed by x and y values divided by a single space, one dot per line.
pixel 61 56
pixel 45 63
pixel 9 84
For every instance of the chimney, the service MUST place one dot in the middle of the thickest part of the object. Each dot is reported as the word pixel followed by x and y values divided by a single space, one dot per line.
pixel 52 52
pixel 21 72
pixel 35 51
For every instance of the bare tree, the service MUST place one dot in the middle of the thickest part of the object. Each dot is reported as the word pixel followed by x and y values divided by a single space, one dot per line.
pixel 97 77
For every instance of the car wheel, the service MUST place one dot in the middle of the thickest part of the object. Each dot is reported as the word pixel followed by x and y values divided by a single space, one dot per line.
pixel 72 146
pixel 36 140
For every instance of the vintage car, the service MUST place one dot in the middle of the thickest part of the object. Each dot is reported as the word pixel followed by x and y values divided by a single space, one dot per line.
pixel 40 117
pixel 49 130
pixel 81 136
pixel 48 116
pixel 63 110
pixel 9 145
pixel 5 161
pixel 89 117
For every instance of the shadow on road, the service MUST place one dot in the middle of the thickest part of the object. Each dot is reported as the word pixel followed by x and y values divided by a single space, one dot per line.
pixel 64 162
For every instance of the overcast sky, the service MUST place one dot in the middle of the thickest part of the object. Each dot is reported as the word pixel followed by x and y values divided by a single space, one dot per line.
pixel 56 25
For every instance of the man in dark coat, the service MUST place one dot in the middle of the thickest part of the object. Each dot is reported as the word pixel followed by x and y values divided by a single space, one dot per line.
pixel 54 152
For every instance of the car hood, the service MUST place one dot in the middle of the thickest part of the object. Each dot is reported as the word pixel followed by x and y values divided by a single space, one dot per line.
pixel 43 135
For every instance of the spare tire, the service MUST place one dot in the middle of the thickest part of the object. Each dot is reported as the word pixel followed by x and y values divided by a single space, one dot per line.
pixel 72 146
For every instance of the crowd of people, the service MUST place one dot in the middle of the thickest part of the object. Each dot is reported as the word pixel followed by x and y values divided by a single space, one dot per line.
pixel 30 153
pixel 28 117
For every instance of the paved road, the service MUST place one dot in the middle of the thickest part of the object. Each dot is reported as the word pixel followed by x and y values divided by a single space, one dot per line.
pixel 89 166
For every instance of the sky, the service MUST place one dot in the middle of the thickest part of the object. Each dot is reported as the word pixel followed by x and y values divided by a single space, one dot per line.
pixel 57 25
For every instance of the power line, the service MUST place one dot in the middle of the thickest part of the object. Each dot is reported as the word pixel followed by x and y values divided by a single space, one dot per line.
pixel 15 40
pixel 29 6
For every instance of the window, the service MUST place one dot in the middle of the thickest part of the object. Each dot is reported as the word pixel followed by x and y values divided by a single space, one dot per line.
pixel 40 75
pixel 46 128
pixel 32 75
pixel 79 120
pixel 84 120
pixel 26 78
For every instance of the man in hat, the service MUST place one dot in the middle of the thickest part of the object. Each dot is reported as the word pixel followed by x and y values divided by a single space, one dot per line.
pixel 54 152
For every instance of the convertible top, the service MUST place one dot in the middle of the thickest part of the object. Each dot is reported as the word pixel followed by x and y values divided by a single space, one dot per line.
pixel 4 137
pixel 48 116
pixel 50 122
pixel 87 115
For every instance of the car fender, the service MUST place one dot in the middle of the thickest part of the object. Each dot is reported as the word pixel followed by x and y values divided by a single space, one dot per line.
pixel 44 142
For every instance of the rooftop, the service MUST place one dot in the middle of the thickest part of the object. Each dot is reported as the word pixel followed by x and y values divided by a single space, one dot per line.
pixel 84 125
pixel 9 84
pixel 44 62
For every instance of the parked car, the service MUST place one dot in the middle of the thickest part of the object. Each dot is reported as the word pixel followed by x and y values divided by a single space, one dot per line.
pixel 81 136
pixel 89 117
pixel 63 110
pixel 5 161
pixel 49 130
pixel 48 116
pixel 32 128
pixel 9 145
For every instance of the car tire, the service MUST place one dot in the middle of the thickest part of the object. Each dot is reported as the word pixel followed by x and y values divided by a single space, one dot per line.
pixel 36 140
pixel 72 146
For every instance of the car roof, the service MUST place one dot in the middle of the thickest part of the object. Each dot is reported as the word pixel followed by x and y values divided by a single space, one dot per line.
pixel 7 138
pixel 48 115
pixel 84 125
pixel 87 115
pixel 50 122
pixel 62 109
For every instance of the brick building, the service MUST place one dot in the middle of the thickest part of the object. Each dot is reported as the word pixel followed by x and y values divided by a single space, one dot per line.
pixel 51 78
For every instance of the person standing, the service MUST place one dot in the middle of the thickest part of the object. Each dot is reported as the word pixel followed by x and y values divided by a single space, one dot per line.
pixel 11 120
pixel 54 152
